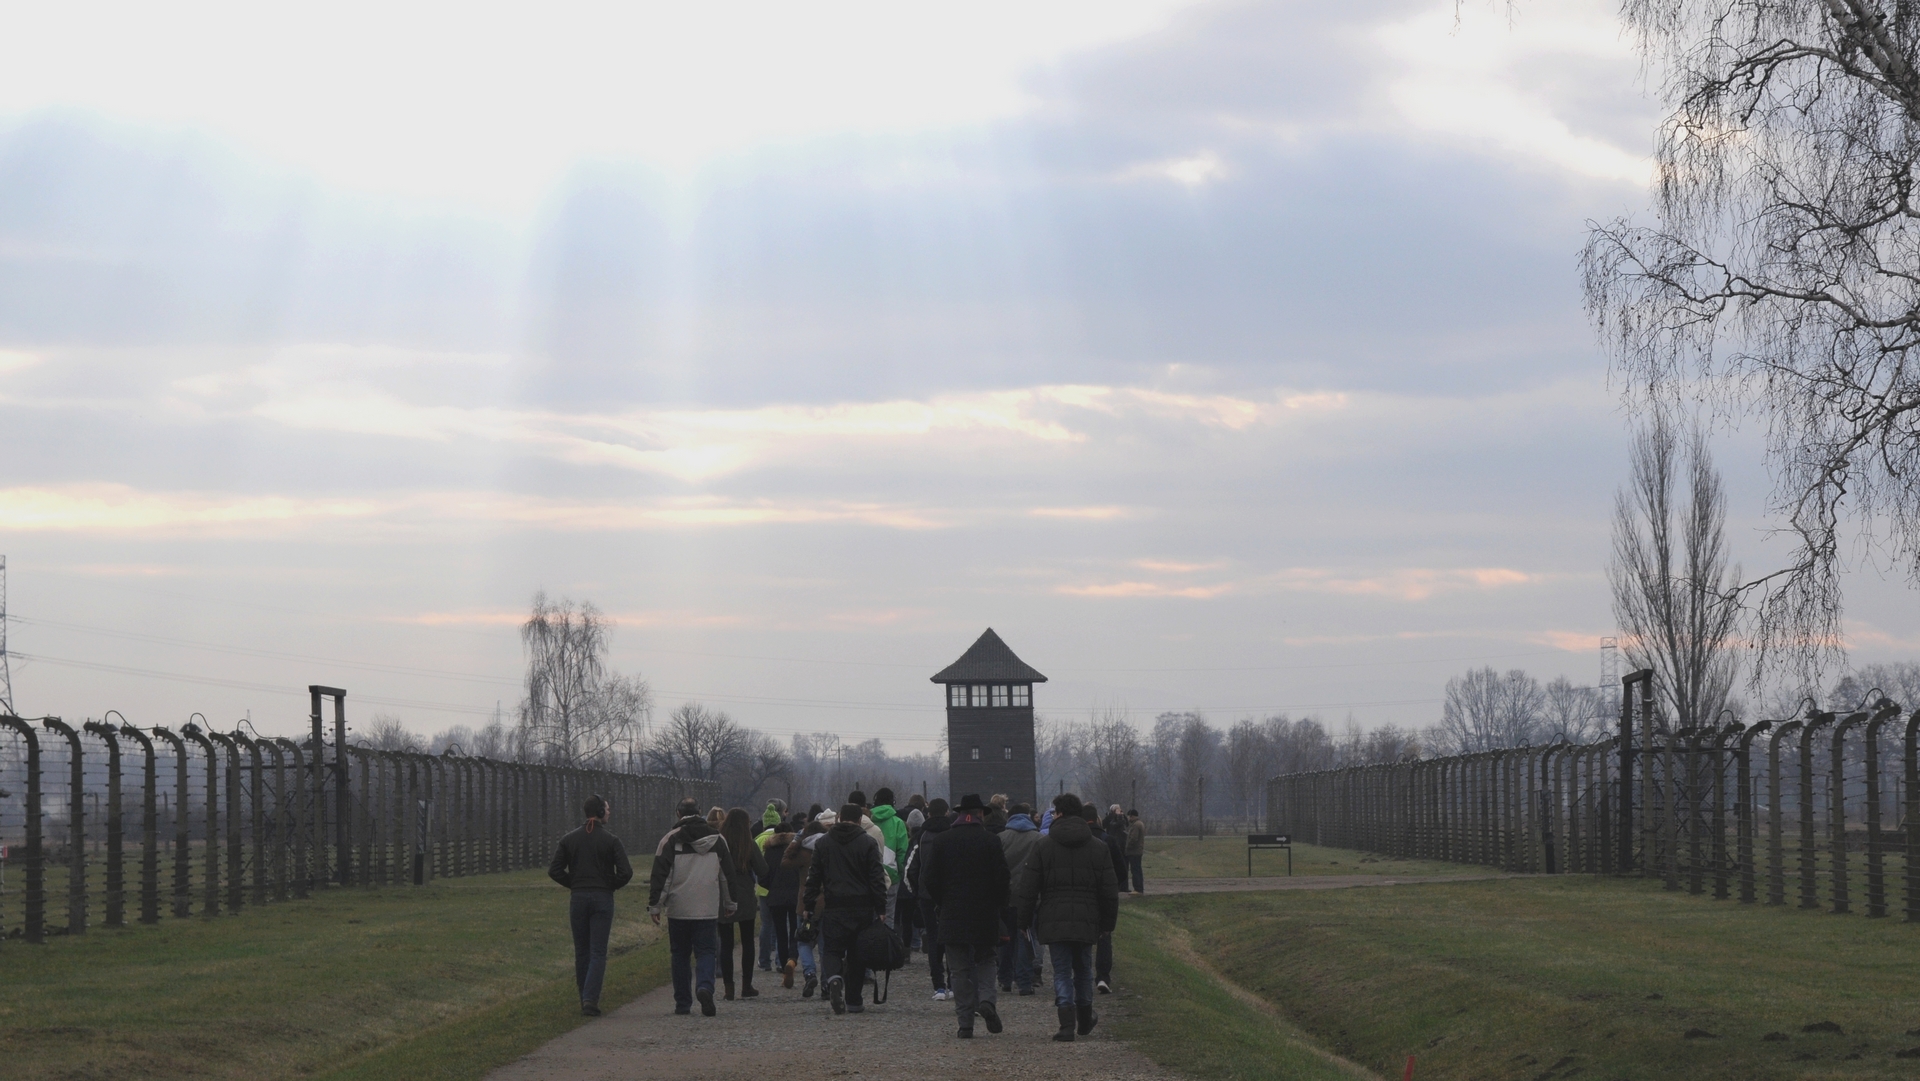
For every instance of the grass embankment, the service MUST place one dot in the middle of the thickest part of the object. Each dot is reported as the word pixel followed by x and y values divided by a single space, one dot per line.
pixel 444 981
pixel 1568 977
pixel 1226 857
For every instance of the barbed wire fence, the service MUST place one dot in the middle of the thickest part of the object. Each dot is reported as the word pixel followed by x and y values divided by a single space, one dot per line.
pixel 106 823
pixel 1822 810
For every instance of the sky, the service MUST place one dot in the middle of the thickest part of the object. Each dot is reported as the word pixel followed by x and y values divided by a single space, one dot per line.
pixel 1225 357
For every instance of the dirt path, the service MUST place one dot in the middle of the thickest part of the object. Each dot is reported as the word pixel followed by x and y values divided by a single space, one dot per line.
pixel 773 1034
pixel 780 1033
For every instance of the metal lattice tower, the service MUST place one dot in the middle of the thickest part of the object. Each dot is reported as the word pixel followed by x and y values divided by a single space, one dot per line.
pixel 6 676
pixel 1610 677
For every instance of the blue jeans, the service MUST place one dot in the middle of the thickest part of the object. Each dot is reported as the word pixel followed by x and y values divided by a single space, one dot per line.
pixel 806 958
pixel 692 941
pixel 1072 972
pixel 1133 864
pixel 591 912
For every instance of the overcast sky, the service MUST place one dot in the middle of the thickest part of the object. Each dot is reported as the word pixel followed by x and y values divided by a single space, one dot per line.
pixel 1220 356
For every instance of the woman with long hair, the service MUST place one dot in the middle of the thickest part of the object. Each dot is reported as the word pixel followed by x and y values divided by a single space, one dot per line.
pixel 745 867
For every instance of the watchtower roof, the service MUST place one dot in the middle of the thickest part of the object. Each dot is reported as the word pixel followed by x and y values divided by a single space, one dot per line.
pixel 989 660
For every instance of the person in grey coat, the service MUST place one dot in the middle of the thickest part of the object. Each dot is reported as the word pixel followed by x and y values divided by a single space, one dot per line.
pixel 592 863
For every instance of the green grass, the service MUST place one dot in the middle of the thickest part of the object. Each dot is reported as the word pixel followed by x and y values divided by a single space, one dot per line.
pixel 1192 1024
pixel 1569 977
pixel 1226 857
pixel 444 981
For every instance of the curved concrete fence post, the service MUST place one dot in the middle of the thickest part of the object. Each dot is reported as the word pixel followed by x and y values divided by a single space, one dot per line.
pixel 1809 805
pixel 1837 811
pixel 76 825
pixel 149 826
pixel 1717 792
pixel 297 809
pixel 182 837
pixel 113 826
pixel 1744 825
pixel 236 847
pixel 1776 815
pixel 33 862
pixel 211 880
pixel 1876 848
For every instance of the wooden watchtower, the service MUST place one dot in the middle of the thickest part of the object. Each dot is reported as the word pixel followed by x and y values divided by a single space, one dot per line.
pixel 990 722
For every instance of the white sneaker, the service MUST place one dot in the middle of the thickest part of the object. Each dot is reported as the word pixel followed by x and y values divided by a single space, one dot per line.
pixel 1103 988
pixel 942 996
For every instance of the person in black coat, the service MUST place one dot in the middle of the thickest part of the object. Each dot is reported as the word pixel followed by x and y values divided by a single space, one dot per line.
pixel 1069 894
pixel 966 875
pixel 1116 848
pixel 847 872
pixel 592 863
pixel 937 822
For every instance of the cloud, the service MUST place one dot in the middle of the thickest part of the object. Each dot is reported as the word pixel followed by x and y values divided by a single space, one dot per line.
pixel 119 508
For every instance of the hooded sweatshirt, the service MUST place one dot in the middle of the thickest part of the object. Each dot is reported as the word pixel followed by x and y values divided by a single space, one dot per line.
pixel 1068 891
pixel 893 837
pixel 1018 841
pixel 846 870
pixel 689 882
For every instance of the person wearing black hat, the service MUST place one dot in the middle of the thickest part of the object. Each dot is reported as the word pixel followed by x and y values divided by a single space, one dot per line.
pixel 966 876
pixel 846 871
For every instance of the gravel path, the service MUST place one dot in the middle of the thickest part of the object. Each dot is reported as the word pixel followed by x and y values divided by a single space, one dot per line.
pixel 781 1034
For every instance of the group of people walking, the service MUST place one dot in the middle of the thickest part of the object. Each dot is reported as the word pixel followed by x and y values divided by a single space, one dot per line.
pixel 987 889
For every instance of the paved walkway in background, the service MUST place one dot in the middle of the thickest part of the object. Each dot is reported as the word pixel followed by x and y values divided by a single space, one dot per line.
pixel 781 1035
pixel 1303 882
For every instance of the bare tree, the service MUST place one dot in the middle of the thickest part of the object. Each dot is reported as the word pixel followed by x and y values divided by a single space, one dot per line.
pixel 697 742
pixel 1485 710
pixel 761 762
pixel 1673 593
pixel 1117 759
pixel 1899 682
pixel 1783 276
pixel 1572 714
pixel 385 732
pixel 576 711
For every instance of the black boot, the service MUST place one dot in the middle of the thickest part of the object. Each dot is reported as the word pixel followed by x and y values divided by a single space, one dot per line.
pixel 1083 1013
pixel 1065 1035
pixel 990 1015
pixel 727 982
pixel 746 984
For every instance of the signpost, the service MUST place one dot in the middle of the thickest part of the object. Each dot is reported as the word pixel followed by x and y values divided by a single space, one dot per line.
pixel 1269 840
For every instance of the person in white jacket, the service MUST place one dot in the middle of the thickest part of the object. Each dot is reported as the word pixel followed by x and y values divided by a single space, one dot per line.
pixel 689 888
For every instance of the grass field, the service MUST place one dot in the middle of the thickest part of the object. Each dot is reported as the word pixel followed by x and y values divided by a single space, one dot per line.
pixel 437 982
pixel 1569 977
pixel 1226 857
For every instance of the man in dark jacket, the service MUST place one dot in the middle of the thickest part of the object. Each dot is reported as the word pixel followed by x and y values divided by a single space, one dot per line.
pixel 592 863
pixel 1068 893
pixel 848 872
pixel 965 874
pixel 1116 848
pixel 937 822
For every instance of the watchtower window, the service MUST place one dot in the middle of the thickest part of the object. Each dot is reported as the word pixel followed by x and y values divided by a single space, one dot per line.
pixel 1000 695
pixel 1022 694
pixel 976 754
pixel 1007 753
pixel 979 695
pixel 957 695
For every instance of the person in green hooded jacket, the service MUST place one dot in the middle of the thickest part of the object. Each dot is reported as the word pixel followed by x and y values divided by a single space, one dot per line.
pixel 893 828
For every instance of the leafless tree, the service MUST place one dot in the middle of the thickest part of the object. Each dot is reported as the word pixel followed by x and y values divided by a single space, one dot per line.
pixel 761 762
pixel 697 742
pixel 1572 713
pixel 1899 682
pixel 1782 278
pixel 1485 710
pixel 1674 595
pixel 1117 759
pixel 385 732
pixel 576 711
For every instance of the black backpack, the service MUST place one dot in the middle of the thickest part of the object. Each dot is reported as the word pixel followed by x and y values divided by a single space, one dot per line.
pixel 881 950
